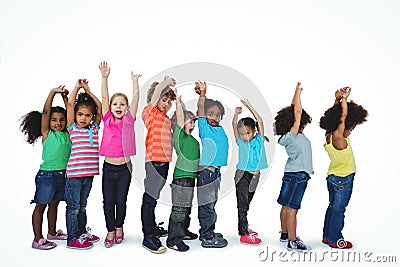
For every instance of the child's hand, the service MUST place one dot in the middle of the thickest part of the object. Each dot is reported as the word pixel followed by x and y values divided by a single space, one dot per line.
pixel 135 77
pixel 246 103
pixel 238 110
pixel 60 89
pixel 346 92
pixel 85 85
pixel 65 93
pixel 298 87
pixel 200 87
pixel 104 69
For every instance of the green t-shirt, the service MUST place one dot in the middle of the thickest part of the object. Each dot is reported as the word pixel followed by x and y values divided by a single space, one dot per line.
pixel 187 149
pixel 56 151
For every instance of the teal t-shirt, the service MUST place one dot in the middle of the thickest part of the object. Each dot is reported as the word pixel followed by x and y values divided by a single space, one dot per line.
pixel 214 143
pixel 187 149
pixel 252 155
pixel 56 151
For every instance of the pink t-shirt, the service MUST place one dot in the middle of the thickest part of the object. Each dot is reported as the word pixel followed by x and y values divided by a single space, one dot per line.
pixel 118 136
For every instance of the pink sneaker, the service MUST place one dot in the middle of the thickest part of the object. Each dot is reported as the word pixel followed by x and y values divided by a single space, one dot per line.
pixel 250 240
pixel 43 244
pixel 251 232
pixel 58 236
pixel 80 243
pixel 89 237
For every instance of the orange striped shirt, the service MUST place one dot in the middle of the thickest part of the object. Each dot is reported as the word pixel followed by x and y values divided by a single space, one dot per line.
pixel 159 136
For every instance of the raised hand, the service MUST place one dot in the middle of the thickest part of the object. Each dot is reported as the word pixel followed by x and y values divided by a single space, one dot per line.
pixel 60 89
pixel 104 69
pixel 238 110
pixel 246 103
pixel 346 91
pixel 200 88
pixel 298 87
pixel 135 77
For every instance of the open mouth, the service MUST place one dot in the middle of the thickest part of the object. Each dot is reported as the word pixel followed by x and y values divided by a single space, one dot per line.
pixel 118 112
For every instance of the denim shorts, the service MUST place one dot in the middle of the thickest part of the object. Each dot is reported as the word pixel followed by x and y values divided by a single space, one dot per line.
pixel 294 185
pixel 50 185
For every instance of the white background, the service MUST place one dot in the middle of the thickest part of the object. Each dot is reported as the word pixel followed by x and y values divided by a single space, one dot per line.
pixel 324 44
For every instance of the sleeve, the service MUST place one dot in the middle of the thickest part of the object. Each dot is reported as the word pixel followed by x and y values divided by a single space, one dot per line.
pixel 106 116
pixel 148 115
pixel 70 128
pixel 202 123
pixel 286 139
pixel 96 125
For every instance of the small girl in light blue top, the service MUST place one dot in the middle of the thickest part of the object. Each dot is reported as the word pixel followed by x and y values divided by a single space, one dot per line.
pixel 252 159
pixel 289 124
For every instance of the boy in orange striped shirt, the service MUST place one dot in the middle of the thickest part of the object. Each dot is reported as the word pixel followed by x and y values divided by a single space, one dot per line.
pixel 158 155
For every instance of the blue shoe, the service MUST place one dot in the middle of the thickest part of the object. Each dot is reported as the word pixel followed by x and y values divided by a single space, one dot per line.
pixel 216 242
pixel 153 244
pixel 181 247
pixel 298 245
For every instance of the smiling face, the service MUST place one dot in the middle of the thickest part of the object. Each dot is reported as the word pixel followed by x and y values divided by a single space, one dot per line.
pixel 246 133
pixel 213 115
pixel 119 107
pixel 163 103
pixel 57 121
pixel 84 116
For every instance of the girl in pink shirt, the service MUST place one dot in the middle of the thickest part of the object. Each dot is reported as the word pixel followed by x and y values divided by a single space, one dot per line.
pixel 117 145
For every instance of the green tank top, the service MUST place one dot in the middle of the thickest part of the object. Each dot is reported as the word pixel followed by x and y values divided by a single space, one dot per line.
pixel 56 151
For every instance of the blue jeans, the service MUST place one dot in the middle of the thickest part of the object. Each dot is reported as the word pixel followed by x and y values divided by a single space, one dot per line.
pixel 340 189
pixel 50 185
pixel 294 185
pixel 115 186
pixel 156 176
pixel 179 220
pixel 207 196
pixel 76 194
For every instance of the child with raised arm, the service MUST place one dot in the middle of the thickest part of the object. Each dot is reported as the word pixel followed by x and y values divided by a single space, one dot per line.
pixel 339 121
pixel 50 179
pixel 249 136
pixel 289 124
pixel 158 155
pixel 117 145
pixel 83 118
pixel 187 149
pixel 214 154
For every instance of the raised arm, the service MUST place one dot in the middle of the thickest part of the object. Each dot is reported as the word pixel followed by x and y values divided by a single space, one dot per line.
pixel 338 140
pixel 180 116
pixel 71 103
pixel 298 109
pixel 105 98
pixel 202 87
pixel 157 91
pixel 85 86
pixel 64 96
pixel 135 93
pixel 46 114
pixel 238 110
pixel 259 120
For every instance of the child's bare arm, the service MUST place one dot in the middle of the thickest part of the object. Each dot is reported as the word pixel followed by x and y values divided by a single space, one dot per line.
pixel 105 99
pixel 257 116
pixel 71 103
pixel 180 116
pixel 238 110
pixel 338 140
pixel 157 91
pixel 298 109
pixel 85 86
pixel 46 113
pixel 202 87
pixel 135 94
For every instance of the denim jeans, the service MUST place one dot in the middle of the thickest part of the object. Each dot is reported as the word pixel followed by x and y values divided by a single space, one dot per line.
pixel 294 185
pixel 50 185
pixel 115 186
pixel 340 189
pixel 156 176
pixel 76 194
pixel 179 220
pixel 207 196
pixel 243 197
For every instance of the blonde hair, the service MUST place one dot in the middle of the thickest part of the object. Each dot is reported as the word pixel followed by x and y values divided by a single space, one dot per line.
pixel 187 115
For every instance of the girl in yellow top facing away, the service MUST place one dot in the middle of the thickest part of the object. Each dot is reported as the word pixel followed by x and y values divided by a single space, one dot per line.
pixel 339 121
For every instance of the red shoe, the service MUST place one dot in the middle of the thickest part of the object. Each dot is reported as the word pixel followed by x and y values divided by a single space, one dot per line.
pixel 119 238
pixel 250 240
pixel 80 243
pixel 251 232
pixel 108 243
pixel 325 241
pixel 342 244
pixel 90 237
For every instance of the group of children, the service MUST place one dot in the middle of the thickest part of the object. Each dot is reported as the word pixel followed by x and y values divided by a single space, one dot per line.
pixel 71 150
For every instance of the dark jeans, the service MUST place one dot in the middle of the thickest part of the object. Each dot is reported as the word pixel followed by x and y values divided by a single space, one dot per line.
pixel 76 194
pixel 207 195
pixel 179 220
pixel 243 197
pixel 115 185
pixel 156 176
pixel 340 189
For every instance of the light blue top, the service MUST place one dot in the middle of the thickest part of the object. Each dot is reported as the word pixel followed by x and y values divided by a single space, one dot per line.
pixel 298 148
pixel 252 155
pixel 214 142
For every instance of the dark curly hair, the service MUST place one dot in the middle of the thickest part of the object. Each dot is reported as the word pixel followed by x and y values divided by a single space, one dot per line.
pixel 210 102
pixel 249 122
pixel 356 115
pixel 31 123
pixel 85 100
pixel 285 118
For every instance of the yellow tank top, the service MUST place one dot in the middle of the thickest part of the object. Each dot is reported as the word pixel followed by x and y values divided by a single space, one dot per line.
pixel 342 161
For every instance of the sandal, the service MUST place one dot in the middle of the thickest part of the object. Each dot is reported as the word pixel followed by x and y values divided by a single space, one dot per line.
pixel 43 244
pixel 108 243
pixel 60 235
pixel 119 238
